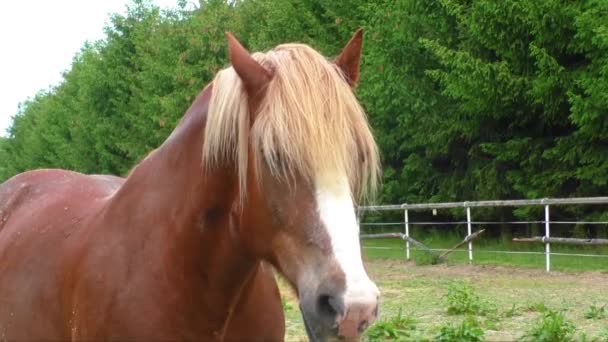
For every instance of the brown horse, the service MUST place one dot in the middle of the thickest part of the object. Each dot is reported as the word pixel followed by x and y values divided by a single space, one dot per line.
pixel 262 172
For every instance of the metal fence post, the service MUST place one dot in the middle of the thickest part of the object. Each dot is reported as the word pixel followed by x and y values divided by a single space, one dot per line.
pixel 407 235
pixel 469 234
pixel 547 244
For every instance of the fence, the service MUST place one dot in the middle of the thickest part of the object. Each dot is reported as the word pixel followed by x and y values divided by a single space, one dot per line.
pixel 546 239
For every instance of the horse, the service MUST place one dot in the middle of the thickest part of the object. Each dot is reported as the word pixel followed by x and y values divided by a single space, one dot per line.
pixel 262 174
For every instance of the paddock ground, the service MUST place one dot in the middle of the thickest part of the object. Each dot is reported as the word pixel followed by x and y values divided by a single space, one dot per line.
pixel 517 296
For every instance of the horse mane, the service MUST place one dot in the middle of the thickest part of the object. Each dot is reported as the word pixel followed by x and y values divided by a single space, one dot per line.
pixel 309 123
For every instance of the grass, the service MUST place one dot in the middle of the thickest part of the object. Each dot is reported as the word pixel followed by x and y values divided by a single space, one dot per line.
pixel 484 253
pixel 501 297
pixel 507 303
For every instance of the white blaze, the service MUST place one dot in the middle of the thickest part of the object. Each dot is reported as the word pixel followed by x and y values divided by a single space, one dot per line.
pixel 337 213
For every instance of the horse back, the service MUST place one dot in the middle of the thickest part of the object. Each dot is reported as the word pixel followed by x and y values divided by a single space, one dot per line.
pixel 42 215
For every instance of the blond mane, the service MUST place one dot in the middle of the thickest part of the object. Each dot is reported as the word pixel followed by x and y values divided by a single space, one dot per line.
pixel 309 123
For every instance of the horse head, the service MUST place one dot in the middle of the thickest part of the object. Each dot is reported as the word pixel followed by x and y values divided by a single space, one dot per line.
pixel 289 123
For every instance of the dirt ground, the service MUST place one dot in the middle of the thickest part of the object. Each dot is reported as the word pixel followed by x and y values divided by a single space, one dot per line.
pixel 515 294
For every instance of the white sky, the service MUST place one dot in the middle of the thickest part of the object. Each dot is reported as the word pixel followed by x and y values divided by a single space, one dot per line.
pixel 38 39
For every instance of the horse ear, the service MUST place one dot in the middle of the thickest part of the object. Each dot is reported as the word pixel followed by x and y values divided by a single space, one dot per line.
pixel 348 60
pixel 254 76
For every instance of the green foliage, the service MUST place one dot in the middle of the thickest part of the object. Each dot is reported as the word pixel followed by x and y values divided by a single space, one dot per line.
pixel 513 311
pixel 596 312
pixel 462 299
pixel 396 328
pixel 551 326
pixel 538 307
pixel 468 99
pixel 287 306
pixel 426 258
pixel 603 335
pixel 468 331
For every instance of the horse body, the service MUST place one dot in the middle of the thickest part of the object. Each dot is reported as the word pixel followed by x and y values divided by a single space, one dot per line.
pixel 180 249
pixel 38 221
pixel 88 249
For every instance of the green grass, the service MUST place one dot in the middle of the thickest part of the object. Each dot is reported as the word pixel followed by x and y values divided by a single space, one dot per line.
pixel 484 253
pixel 507 303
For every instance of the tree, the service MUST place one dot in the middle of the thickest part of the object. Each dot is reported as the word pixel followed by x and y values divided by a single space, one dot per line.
pixel 468 100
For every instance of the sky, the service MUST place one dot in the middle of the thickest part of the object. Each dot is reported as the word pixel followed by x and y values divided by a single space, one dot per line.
pixel 39 38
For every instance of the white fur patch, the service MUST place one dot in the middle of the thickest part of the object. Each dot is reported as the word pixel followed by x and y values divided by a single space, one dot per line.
pixel 337 213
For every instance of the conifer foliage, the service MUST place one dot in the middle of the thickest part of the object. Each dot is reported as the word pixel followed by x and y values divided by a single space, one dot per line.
pixel 468 99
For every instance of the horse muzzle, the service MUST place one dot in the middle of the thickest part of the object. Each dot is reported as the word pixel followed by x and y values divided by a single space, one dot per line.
pixel 344 315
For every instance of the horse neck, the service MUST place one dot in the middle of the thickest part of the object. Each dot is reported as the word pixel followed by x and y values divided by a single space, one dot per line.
pixel 193 215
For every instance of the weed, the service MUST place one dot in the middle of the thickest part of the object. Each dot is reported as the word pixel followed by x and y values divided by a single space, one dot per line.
pixel 552 326
pixel 287 306
pixel 538 307
pixel 462 299
pixel 491 322
pixel 596 312
pixel 468 331
pixel 582 337
pixel 398 327
pixel 513 311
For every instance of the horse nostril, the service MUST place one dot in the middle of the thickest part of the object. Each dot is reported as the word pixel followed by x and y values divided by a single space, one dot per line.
pixel 330 306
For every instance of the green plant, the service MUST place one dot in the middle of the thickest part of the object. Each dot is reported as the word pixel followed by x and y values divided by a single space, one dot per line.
pixel 287 306
pixel 425 258
pixel 552 326
pixel 513 311
pixel 603 335
pixel 582 337
pixel 596 312
pixel 538 307
pixel 491 322
pixel 468 331
pixel 398 327
pixel 462 299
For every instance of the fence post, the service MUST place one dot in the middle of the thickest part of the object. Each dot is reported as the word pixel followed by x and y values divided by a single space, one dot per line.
pixel 407 235
pixel 469 234
pixel 547 244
